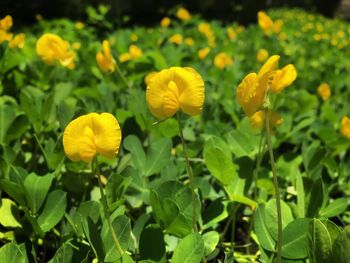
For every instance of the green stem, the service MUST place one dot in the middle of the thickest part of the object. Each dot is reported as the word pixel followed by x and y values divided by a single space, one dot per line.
pixel 190 175
pixel 122 77
pixel 257 167
pixel 275 181
pixel 106 210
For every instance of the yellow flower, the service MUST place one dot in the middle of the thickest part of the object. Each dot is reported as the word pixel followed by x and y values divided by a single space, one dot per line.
pixel 324 91
pixel 277 26
pixel 18 41
pixel 176 39
pixel 189 41
pixel 149 76
pixel 76 45
pixel 183 14
pixel 251 92
pixel 134 37
pixel 105 59
pixel 124 57
pixel 262 55
pixel 6 23
pixel 205 29
pixel 257 120
pixel 174 89
pixel 51 48
pixel 203 52
pixel 165 22
pixel 265 22
pixel 79 25
pixel 92 134
pixel 345 127
pixel 135 51
pixel 5 36
pixel 222 60
pixel 232 34
pixel 283 78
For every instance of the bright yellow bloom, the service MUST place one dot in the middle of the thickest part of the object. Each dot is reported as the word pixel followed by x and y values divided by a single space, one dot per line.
pixel 203 52
pixel 251 92
pixel 165 22
pixel 265 22
pixel 124 57
pixel 257 121
pixel 283 78
pixel 176 39
pixel 5 36
pixel 17 41
pixel 183 14
pixel 262 55
pixel 222 60
pixel 51 48
pixel 105 59
pixel 174 89
pixel 135 51
pixel 232 34
pixel 149 76
pixel 92 134
pixel 79 25
pixel 6 23
pixel 345 127
pixel 189 41
pixel 324 91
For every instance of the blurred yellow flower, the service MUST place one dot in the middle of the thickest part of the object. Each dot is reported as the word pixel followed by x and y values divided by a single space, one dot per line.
pixel 345 127
pixel 79 25
pixel 17 41
pixel 6 23
pixel 5 36
pixel 124 57
pixel 257 120
pixel 52 48
pixel 277 26
pixel 262 55
pixel 222 60
pixel 203 52
pixel 324 91
pixel 92 134
pixel 76 45
pixel 232 34
pixel 283 78
pixel 149 76
pixel 183 14
pixel 135 51
pixel 165 22
pixel 176 39
pixel 252 91
pixel 174 89
pixel 105 59
pixel 205 29
pixel 134 37
pixel 265 22
pixel 189 41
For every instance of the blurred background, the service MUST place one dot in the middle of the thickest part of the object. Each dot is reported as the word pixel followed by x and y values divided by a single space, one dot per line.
pixel 149 12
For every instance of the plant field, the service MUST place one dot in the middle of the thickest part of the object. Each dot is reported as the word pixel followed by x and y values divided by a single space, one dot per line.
pixel 190 141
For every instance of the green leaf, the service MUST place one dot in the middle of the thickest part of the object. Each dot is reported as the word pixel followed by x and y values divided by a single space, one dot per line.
pixel 93 236
pixel 335 208
pixel 14 190
pixel 9 213
pixel 53 211
pixel 155 250
pixel 263 234
pixel 271 216
pixel 36 189
pixel 122 228
pixel 13 253
pixel 211 240
pixel 7 116
pixel 315 199
pixel 320 243
pixel 218 159
pixel 189 250
pixel 158 156
pixel 116 187
pixel 300 195
pixel 341 247
pixel 133 145
pixel 294 244
pixel 63 254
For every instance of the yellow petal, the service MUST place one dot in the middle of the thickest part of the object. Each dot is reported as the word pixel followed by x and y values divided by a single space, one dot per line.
pixel 324 91
pixel 345 127
pixel 283 78
pixel 257 120
pixel 270 66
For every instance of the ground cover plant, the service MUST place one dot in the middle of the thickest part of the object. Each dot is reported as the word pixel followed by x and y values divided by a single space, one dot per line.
pixel 191 141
